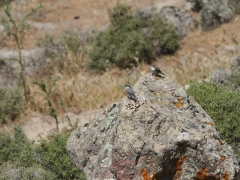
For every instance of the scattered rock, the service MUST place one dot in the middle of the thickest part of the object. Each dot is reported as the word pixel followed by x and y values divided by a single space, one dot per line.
pixel 220 76
pixel 214 13
pixel 168 137
pixel 179 19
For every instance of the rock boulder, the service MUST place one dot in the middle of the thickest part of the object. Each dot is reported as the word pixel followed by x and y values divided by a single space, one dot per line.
pixel 165 135
pixel 214 13
pixel 181 20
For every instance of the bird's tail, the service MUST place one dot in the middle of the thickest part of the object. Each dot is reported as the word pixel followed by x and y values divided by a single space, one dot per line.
pixel 134 98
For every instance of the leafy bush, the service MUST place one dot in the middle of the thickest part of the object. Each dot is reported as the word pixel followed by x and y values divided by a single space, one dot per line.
pixel 53 156
pixel 223 105
pixel 129 38
pixel 22 159
pixel 17 150
pixel 11 104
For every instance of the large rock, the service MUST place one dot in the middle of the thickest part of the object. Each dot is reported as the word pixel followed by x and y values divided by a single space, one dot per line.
pixel 214 13
pixel 166 135
pixel 181 20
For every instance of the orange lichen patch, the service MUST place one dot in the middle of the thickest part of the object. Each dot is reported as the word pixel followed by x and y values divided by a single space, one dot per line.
pixel 179 103
pixel 203 174
pixel 179 167
pixel 145 175
pixel 210 123
pixel 226 176
pixel 223 158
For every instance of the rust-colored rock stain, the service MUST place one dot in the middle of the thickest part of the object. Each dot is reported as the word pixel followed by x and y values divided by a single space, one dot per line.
pixel 223 158
pixel 210 123
pixel 179 103
pixel 226 176
pixel 145 175
pixel 179 167
pixel 203 174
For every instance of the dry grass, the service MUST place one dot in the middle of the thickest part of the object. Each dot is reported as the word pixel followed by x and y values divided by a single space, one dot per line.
pixel 200 53
pixel 86 91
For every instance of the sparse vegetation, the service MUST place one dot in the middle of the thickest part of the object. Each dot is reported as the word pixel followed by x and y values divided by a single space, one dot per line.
pixel 52 110
pixel 223 106
pixel 67 54
pixel 14 28
pixel 22 159
pixel 11 104
pixel 129 40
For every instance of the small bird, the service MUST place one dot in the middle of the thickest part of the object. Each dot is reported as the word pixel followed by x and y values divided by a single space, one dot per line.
pixel 156 70
pixel 130 92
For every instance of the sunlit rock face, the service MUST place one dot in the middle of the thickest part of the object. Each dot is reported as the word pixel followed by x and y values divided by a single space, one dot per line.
pixel 165 135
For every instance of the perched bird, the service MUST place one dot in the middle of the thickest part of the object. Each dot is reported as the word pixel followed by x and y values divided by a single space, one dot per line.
pixel 130 92
pixel 156 70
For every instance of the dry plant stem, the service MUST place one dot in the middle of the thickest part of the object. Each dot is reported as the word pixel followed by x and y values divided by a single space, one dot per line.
pixel 65 110
pixel 14 32
pixel 52 109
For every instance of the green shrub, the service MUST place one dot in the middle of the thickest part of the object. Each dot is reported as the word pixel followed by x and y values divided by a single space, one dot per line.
pixel 17 150
pixel 53 156
pixel 129 38
pixel 11 104
pixel 22 159
pixel 223 105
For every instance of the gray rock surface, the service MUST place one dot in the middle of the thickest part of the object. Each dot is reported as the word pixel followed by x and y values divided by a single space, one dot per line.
pixel 220 76
pixel 181 20
pixel 214 13
pixel 166 135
